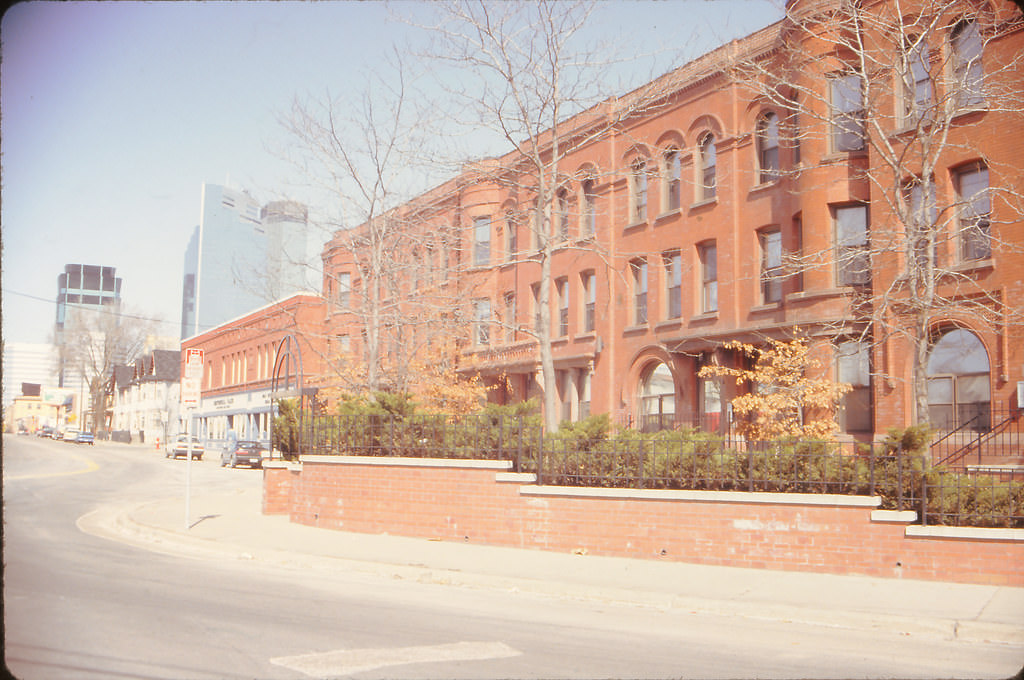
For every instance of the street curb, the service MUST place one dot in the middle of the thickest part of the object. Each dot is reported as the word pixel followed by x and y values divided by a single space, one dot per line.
pixel 117 523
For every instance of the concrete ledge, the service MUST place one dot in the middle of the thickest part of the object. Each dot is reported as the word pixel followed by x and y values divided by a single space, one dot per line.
pixel 399 461
pixel 837 500
pixel 516 477
pixel 997 469
pixel 894 516
pixel 281 465
pixel 972 533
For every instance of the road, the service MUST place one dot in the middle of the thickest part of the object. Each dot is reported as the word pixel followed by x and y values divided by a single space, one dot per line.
pixel 79 606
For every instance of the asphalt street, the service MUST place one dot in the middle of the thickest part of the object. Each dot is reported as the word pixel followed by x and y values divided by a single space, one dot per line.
pixel 80 605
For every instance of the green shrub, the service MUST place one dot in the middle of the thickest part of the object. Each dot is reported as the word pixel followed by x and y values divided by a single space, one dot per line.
pixel 914 439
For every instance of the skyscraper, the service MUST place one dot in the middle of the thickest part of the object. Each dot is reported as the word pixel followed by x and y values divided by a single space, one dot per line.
pixel 242 256
pixel 88 286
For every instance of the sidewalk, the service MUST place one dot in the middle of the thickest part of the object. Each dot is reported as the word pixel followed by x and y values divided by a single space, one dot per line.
pixel 232 526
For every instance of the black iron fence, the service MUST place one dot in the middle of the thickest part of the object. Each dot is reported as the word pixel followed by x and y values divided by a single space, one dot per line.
pixel 685 460
pixel 702 462
pixel 993 498
pixel 512 438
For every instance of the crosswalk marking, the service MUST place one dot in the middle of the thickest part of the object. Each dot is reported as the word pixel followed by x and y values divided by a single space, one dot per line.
pixel 348 661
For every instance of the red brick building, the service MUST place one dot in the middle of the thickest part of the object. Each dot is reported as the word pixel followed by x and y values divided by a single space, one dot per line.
pixel 756 196
pixel 239 365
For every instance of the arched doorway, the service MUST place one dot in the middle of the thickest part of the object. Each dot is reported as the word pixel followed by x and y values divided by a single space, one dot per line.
pixel 657 399
pixel 958 382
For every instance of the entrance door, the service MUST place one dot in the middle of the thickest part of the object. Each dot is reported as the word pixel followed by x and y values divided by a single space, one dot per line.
pixel 958 382
pixel 657 400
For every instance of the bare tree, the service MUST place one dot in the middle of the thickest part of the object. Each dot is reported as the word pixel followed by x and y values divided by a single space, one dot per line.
pixel 92 342
pixel 897 93
pixel 522 72
pixel 365 154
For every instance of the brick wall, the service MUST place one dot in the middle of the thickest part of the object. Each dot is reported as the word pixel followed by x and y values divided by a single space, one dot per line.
pixel 480 502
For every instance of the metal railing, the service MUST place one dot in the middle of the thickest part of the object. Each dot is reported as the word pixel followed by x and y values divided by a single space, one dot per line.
pixel 980 499
pixel 991 435
pixel 512 438
pixel 733 464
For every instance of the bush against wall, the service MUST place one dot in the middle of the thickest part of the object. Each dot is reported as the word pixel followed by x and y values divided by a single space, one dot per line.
pixel 789 394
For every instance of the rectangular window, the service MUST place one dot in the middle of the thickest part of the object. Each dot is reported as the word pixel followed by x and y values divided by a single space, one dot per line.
pixel 562 286
pixel 771 266
pixel 510 317
pixel 709 277
pixel 847 102
pixel 673 284
pixel 481 322
pixel 798 234
pixel 922 216
pixel 639 268
pixel 343 299
pixel 853 264
pixel 917 82
pixel 975 209
pixel 589 298
pixel 853 367
pixel 481 241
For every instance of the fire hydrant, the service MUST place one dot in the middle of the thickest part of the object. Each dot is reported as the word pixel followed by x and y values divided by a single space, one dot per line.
pixel 158 443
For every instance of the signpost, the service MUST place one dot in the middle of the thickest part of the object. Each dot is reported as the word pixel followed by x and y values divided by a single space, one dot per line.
pixel 191 382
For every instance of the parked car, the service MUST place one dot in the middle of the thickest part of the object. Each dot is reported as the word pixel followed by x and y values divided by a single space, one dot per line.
pixel 45 431
pixel 243 453
pixel 180 448
pixel 85 437
pixel 69 435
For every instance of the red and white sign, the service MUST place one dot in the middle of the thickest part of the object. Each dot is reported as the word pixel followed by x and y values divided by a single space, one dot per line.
pixel 193 378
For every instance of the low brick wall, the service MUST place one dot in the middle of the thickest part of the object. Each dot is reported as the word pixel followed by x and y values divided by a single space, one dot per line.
pixel 278 482
pixel 480 501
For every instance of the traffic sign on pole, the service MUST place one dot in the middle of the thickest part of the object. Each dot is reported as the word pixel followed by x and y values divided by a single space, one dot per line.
pixel 191 384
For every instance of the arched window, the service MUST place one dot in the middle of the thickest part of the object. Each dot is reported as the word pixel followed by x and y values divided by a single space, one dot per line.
pixel 707 165
pixel 589 212
pixel 958 382
pixel 673 180
pixel 638 171
pixel 657 399
pixel 768 148
pixel 968 71
pixel 917 83
pixel 562 214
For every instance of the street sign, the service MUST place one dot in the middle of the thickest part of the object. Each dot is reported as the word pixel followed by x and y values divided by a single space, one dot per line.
pixel 191 382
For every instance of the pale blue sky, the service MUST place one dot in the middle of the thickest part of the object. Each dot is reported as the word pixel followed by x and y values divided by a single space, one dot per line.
pixel 115 113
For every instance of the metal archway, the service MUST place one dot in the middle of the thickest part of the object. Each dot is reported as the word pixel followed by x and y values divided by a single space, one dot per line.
pixel 287 382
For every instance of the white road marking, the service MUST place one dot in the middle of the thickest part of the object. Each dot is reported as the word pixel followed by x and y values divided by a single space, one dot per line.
pixel 344 662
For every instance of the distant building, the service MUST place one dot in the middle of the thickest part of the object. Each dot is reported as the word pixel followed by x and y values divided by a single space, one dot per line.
pixel 86 285
pixel 293 251
pixel 27 362
pixel 146 396
pixel 242 256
